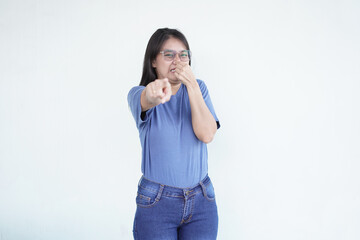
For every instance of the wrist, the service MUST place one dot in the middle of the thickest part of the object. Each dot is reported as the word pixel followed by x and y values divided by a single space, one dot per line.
pixel 193 87
pixel 192 84
pixel 145 102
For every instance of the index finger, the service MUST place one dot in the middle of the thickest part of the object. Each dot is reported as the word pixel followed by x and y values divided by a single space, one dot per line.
pixel 164 82
pixel 164 85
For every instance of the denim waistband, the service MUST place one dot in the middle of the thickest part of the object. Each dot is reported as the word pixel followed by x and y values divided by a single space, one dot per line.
pixel 173 191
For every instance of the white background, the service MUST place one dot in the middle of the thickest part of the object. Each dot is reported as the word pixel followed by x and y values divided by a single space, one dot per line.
pixel 284 77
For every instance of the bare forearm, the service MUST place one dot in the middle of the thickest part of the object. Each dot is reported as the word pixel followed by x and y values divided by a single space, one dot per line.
pixel 203 122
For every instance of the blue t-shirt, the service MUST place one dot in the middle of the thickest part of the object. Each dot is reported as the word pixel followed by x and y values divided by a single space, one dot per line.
pixel 171 153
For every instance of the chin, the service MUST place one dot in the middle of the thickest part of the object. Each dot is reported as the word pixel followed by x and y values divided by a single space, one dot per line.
pixel 174 80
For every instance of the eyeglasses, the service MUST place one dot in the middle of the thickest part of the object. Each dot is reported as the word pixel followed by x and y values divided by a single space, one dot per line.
pixel 169 55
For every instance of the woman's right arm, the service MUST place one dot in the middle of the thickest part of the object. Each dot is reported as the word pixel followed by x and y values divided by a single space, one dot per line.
pixel 156 92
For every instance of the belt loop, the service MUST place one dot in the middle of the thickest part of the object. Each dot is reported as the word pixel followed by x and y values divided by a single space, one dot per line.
pixel 203 188
pixel 159 193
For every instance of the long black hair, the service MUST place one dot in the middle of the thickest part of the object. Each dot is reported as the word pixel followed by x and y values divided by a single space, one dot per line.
pixel 153 48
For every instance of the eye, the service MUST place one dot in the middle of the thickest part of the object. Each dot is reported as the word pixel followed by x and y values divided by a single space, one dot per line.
pixel 184 54
pixel 169 54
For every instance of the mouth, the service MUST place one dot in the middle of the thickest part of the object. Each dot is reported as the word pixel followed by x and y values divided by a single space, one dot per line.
pixel 172 70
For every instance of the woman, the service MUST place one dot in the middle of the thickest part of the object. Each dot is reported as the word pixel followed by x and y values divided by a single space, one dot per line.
pixel 175 118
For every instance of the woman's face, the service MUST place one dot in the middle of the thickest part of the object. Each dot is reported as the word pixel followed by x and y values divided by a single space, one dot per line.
pixel 163 67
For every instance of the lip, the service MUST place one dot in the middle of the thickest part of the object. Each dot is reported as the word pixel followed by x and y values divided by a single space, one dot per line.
pixel 172 70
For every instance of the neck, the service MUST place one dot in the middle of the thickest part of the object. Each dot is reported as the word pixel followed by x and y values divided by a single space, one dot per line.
pixel 175 88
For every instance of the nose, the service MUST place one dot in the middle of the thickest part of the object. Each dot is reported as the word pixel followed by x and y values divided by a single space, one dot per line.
pixel 177 57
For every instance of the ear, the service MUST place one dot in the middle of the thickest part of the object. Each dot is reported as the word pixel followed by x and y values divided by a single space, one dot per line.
pixel 153 63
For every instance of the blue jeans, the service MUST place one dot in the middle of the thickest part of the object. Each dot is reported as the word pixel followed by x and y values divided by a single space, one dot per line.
pixel 165 212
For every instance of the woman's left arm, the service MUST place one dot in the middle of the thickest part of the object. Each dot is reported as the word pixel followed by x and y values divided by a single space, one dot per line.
pixel 203 122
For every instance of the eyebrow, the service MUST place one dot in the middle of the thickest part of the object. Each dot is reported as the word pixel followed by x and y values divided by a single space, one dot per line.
pixel 174 50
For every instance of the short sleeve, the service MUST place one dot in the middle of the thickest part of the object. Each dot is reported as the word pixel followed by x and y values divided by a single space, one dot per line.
pixel 133 98
pixel 207 99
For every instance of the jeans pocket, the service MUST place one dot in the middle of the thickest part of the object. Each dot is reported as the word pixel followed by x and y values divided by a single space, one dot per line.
pixel 146 197
pixel 209 192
